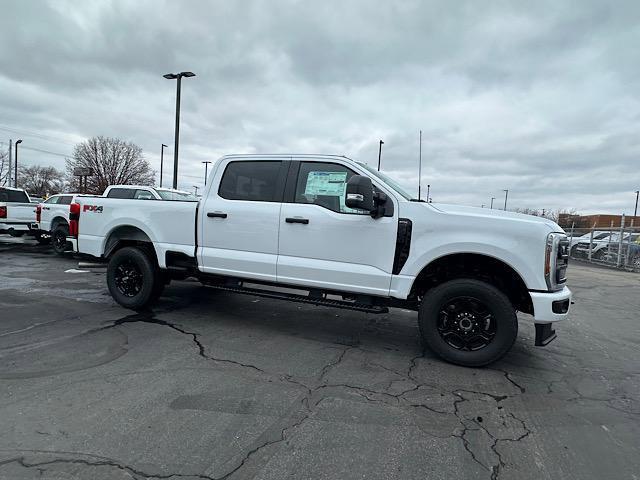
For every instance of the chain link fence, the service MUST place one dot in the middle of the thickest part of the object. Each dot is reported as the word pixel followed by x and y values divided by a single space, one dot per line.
pixel 615 246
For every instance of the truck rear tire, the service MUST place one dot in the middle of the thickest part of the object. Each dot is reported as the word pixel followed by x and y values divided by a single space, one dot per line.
pixel 468 322
pixel 133 278
pixel 59 239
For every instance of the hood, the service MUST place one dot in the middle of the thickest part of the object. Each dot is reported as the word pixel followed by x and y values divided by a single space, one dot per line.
pixel 494 214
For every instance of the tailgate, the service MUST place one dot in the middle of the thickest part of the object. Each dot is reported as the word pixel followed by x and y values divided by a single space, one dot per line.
pixel 24 213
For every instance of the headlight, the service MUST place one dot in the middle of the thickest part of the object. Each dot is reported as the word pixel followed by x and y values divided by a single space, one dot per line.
pixel 556 258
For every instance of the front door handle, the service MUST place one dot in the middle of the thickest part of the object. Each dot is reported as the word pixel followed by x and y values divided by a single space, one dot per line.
pixel 216 215
pixel 304 221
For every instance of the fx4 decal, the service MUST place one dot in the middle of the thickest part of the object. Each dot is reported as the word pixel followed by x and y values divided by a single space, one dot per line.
pixel 92 208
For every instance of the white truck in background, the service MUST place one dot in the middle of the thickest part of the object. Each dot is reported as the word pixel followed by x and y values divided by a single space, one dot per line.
pixel 17 213
pixel 343 235
pixel 52 216
pixel 142 192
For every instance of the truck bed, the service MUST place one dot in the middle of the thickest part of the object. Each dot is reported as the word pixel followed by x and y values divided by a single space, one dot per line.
pixel 170 225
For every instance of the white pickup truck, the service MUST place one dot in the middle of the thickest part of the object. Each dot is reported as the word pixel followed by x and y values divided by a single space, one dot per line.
pixel 17 213
pixel 343 235
pixel 52 216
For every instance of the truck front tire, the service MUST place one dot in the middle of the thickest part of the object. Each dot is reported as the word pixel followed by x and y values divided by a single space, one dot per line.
pixel 468 322
pixel 133 278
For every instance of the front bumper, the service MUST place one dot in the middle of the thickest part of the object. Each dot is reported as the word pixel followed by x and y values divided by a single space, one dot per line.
pixel 551 306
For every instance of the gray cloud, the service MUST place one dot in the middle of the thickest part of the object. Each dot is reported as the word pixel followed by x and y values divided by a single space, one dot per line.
pixel 536 97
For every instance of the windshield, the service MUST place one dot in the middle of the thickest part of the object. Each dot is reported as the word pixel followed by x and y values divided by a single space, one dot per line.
pixel 176 195
pixel 392 183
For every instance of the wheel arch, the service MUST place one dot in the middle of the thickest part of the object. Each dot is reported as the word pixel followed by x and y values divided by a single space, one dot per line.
pixel 127 236
pixel 58 220
pixel 476 266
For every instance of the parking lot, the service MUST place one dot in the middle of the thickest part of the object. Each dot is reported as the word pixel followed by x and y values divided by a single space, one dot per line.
pixel 216 385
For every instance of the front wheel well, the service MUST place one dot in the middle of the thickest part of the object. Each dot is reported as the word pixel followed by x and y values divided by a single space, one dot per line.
pixel 475 266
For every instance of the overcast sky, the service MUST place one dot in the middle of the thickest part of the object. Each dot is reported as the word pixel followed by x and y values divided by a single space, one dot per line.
pixel 540 99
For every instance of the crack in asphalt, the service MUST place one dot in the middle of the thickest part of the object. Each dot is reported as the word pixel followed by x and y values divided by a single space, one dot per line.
pixel 148 317
pixel 100 463
pixel 303 407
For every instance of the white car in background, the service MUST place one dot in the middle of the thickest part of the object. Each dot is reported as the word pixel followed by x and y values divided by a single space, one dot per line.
pixel 599 246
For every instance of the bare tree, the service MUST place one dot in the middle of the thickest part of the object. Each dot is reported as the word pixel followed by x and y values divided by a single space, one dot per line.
pixel 112 161
pixel 41 181
pixel 4 168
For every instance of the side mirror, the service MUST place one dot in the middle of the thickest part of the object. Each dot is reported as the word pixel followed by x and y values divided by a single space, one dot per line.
pixel 359 193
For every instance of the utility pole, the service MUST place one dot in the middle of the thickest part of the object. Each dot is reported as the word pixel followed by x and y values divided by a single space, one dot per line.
pixel 161 161
pixel 206 171
pixel 635 212
pixel 178 77
pixel 420 166
pixel 380 153
pixel 492 199
pixel 15 183
pixel 506 194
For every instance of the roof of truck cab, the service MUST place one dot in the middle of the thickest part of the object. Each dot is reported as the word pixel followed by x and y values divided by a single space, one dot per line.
pixel 285 156
pixel 14 189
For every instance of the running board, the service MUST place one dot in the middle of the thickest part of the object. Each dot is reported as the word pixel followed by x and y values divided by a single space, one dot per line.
pixel 361 307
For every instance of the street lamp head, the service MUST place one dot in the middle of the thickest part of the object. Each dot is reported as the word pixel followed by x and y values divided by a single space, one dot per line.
pixel 170 76
pixel 165 146
pixel 187 74
pixel 18 141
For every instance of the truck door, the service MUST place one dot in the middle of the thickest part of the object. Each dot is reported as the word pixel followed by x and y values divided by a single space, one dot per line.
pixel 325 244
pixel 240 219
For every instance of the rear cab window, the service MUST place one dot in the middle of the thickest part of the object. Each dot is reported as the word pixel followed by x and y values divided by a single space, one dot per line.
pixel 126 193
pixel 257 181
pixel 13 196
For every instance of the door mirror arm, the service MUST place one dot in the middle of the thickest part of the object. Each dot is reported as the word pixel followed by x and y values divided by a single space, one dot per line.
pixel 379 201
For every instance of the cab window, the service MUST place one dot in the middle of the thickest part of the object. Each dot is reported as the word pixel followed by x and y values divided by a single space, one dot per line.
pixel 52 200
pixel 143 195
pixel 253 181
pixel 324 184
pixel 65 200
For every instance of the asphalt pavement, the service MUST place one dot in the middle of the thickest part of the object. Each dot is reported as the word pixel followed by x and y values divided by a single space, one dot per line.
pixel 212 385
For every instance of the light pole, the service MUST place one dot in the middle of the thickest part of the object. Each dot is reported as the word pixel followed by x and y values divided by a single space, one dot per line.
pixel 380 153
pixel 206 171
pixel 492 199
pixel 635 212
pixel 161 161
pixel 15 182
pixel 506 194
pixel 482 206
pixel 420 165
pixel 177 76
pixel 428 191
pixel 196 189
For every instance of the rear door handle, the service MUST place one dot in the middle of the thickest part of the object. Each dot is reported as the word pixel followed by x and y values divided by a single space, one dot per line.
pixel 216 215
pixel 304 221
